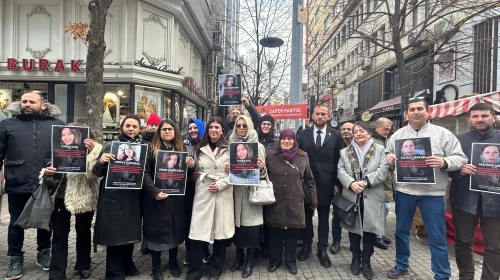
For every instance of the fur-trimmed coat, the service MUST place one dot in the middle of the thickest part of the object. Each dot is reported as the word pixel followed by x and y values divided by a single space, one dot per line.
pixel 82 190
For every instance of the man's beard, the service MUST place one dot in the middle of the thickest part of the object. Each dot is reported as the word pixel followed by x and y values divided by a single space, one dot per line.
pixel 486 128
pixel 347 137
pixel 32 112
pixel 319 125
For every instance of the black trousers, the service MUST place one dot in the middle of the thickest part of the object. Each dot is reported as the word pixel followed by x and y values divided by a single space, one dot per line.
pixel 15 235
pixel 369 239
pixel 323 226
pixel 195 271
pixel 119 261
pixel 277 238
pixel 61 220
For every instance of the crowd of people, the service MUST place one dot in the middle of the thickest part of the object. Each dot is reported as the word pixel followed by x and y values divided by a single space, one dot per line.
pixel 357 162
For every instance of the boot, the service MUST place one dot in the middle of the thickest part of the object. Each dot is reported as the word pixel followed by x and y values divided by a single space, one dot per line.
pixel 43 259
pixel 247 271
pixel 367 269
pixel 16 268
pixel 240 259
pixel 356 264
pixel 174 268
pixel 156 265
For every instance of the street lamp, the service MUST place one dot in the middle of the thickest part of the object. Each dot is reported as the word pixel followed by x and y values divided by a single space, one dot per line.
pixel 271 42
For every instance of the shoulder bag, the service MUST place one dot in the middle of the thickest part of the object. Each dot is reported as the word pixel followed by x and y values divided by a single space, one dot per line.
pixel 263 194
pixel 307 193
pixel 345 209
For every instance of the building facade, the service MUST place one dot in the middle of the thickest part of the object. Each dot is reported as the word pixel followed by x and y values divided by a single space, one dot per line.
pixel 159 58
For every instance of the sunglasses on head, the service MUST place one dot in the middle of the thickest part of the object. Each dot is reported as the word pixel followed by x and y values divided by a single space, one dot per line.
pixel 241 125
pixel 416 98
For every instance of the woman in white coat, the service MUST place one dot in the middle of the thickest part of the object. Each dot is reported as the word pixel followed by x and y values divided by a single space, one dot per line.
pixel 362 171
pixel 213 206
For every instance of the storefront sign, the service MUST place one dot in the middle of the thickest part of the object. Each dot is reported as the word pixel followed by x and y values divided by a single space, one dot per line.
pixel 390 115
pixel 195 87
pixel 43 65
pixel 163 68
pixel 366 116
pixel 284 112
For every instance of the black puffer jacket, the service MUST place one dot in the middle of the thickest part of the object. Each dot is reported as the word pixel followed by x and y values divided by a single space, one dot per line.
pixel 25 145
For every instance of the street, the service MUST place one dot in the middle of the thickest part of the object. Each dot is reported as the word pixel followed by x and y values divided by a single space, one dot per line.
pixel 382 260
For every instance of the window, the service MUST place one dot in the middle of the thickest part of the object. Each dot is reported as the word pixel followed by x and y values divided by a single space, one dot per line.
pixel 486 45
pixel 337 8
pixel 61 100
pixel 316 16
pixel 414 14
pixel 327 22
pixel 368 6
pixel 382 36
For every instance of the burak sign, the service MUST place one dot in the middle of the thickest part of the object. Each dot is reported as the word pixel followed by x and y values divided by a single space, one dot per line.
pixel 43 65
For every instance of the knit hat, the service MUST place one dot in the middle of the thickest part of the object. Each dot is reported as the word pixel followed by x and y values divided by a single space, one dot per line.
pixel 268 118
pixel 153 119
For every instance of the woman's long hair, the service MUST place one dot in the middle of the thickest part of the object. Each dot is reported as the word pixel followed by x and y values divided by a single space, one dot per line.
pixel 177 143
pixel 221 143
pixel 76 132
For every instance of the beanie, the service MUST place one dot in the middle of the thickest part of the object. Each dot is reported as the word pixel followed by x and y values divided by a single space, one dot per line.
pixel 268 118
pixel 153 119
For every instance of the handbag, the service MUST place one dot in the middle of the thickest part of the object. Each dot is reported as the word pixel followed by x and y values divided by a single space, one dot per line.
pixel 307 193
pixel 263 194
pixel 345 209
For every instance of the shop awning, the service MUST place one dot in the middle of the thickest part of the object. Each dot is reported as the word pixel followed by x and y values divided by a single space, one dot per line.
pixel 461 106
pixel 387 105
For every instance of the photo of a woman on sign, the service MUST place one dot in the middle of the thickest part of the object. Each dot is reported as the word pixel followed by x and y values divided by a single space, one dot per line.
pixel 69 154
pixel 172 160
pixel 485 162
pixel 411 166
pixel 244 153
pixel 229 81
pixel 229 90
pixel 127 152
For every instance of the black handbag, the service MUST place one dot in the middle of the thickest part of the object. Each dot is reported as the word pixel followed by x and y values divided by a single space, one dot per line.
pixel 307 193
pixel 345 210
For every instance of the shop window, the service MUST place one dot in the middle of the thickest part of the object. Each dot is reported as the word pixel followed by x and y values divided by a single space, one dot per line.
pixel 148 100
pixel 12 92
pixel 177 112
pixel 116 104
pixel 61 100
pixel 167 104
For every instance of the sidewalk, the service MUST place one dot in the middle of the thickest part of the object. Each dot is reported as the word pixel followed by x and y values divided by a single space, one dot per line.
pixel 382 260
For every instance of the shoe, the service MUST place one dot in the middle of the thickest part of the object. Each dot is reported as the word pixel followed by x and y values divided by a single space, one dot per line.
pixel 174 268
pixel 367 268
pixel 186 260
pixel 132 273
pixel 247 270
pixel 335 248
pixel 396 273
pixel 15 269
pixel 214 277
pixel 273 267
pixel 379 243
pixel 324 260
pixel 386 240
pixel 157 273
pixel 145 251
pixel 206 258
pixel 292 269
pixel 355 264
pixel 43 259
pixel 84 274
pixel 304 253
pixel 239 261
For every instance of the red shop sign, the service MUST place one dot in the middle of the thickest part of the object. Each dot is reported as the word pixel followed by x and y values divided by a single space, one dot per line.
pixel 43 65
pixel 285 112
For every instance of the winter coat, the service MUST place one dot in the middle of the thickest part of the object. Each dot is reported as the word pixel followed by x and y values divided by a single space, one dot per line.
pixel 118 217
pixel 25 146
pixel 82 190
pixel 164 220
pixel 213 213
pixel 323 162
pixel 461 197
pixel 288 210
pixel 147 137
pixel 246 214
pixel 444 144
pixel 373 195
pixel 388 188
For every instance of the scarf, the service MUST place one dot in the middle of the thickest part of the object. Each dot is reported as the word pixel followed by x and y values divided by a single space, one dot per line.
pixel 125 138
pixel 289 154
pixel 359 159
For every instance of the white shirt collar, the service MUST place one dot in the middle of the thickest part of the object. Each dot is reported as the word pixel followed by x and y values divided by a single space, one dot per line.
pixel 323 130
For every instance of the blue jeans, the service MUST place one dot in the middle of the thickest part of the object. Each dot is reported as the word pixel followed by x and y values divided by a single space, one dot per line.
pixel 387 209
pixel 433 214
pixel 336 230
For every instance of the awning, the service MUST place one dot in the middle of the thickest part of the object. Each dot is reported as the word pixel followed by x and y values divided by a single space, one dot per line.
pixel 461 106
pixel 387 105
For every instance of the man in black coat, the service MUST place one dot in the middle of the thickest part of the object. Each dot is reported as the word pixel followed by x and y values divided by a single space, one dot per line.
pixel 468 207
pixel 323 145
pixel 25 148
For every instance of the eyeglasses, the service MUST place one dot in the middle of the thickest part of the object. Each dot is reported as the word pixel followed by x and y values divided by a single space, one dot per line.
pixel 241 125
pixel 266 124
pixel 167 129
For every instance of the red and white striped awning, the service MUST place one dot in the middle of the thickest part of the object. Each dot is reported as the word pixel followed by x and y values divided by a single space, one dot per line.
pixel 461 106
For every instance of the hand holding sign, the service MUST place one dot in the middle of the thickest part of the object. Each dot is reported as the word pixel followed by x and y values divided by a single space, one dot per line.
pixel 468 169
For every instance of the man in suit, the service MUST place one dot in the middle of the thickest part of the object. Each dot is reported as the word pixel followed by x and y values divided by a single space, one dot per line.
pixel 323 145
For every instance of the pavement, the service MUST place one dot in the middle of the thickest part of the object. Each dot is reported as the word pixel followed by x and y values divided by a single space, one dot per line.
pixel 382 260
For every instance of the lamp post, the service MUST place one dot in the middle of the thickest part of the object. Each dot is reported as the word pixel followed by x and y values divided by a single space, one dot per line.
pixel 270 42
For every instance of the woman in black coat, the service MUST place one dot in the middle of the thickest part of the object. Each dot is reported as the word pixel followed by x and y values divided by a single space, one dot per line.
pixel 164 215
pixel 118 218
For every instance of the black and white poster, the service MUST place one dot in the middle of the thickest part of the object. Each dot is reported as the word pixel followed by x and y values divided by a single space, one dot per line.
pixel 69 154
pixel 485 157
pixel 171 172
pixel 229 89
pixel 410 164
pixel 127 170
pixel 243 163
